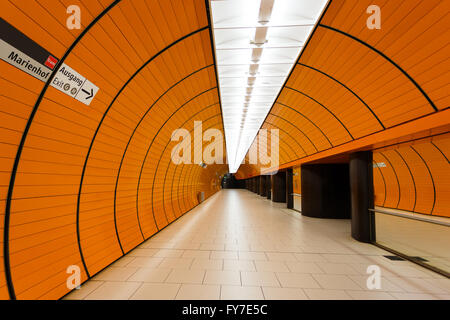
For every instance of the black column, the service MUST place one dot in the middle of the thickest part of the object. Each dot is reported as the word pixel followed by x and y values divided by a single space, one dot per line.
pixel 262 186
pixel 362 198
pixel 269 187
pixel 258 182
pixel 289 188
pixel 279 187
pixel 326 191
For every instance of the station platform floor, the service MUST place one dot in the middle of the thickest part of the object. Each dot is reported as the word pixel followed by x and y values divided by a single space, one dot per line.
pixel 237 245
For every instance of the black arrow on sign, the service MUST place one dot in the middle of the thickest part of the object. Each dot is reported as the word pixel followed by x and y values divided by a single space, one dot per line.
pixel 90 95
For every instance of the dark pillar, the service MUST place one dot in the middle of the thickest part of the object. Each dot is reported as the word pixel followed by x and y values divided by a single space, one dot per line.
pixel 362 198
pixel 262 186
pixel 258 182
pixel 289 188
pixel 268 187
pixel 326 191
pixel 279 187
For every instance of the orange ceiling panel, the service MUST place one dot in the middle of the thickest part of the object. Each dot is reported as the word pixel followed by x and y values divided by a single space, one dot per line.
pixel 351 82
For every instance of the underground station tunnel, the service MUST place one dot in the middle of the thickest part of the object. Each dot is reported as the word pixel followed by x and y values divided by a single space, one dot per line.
pixel 225 150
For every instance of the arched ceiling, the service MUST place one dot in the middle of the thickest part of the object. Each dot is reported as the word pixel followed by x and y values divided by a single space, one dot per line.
pixel 352 86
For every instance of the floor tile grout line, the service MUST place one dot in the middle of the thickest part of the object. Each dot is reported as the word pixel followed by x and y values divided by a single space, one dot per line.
pixel 204 276
pixel 262 291
pixel 168 275
pixel 136 290
pixel 178 291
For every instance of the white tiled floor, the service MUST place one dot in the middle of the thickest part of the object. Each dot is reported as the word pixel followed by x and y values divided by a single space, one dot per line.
pixel 238 245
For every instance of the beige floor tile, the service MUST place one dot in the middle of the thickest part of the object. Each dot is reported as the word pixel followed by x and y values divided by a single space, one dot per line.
pixel 346 258
pixel 85 289
pixel 230 255
pixel 280 256
pixel 187 246
pixel 116 273
pixel 156 291
pixel 186 276
pixel 338 282
pixel 386 285
pixel 303 267
pixel 370 295
pixel 337 268
pixel 326 294
pixel 441 283
pixel 251 255
pixel 288 248
pixel 406 271
pixel 431 274
pixel 114 291
pixel 284 294
pixel 239 265
pixel 272 266
pixel 414 296
pixel 227 277
pixel 237 247
pixel 198 292
pixel 262 247
pixel 296 280
pixel 150 275
pixel 142 252
pixel 309 257
pixel 154 244
pixel 241 293
pixel 196 254
pixel 224 241
pixel 176 263
pixel 207 264
pixel 259 279
pixel 207 241
pixel 168 253
pixel 212 246
pixel 150 262
pixel 417 285
pixel 122 262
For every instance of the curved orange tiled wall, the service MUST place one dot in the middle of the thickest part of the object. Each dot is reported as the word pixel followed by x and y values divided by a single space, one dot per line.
pixel 353 87
pixel 89 183
pixel 414 176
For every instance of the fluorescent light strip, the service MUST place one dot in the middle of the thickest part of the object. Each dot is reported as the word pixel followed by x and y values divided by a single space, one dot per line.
pixel 257 43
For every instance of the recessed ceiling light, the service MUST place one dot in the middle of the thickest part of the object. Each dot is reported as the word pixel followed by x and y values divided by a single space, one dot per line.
pixel 257 43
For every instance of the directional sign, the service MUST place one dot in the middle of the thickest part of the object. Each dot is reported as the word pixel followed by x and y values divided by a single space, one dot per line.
pixel 379 165
pixel 23 53
pixel 72 83
pixel 88 92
